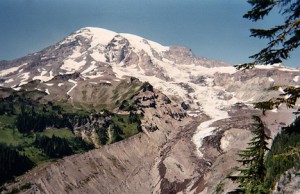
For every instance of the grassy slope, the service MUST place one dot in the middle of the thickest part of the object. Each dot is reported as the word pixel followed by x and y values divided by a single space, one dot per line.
pixel 24 142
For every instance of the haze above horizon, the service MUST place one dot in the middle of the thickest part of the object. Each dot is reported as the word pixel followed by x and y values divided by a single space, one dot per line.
pixel 214 29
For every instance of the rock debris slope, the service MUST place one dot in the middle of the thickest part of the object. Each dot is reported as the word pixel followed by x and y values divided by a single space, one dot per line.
pixel 196 117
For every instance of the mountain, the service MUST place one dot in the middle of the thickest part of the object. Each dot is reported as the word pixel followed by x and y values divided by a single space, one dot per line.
pixel 195 112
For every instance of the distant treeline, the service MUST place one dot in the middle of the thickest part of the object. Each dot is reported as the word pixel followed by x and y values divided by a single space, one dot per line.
pixel 284 153
pixel 54 147
pixel 26 121
pixel 12 163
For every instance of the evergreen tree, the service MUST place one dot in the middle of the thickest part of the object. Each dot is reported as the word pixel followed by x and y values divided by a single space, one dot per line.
pixel 284 153
pixel 265 105
pixel 54 147
pixel 283 38
pixel 103 135
pixel 133 117
pixel 12 163
pixel 252 172
pixel 117 133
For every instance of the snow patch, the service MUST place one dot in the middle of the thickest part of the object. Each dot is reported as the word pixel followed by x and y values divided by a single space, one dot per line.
pixel 226 141
pixel 281 90
pixel 98 56
pixel 9 81
pixel 287 96
pixel 60 84
pixel 274 110
pixel 43 76
pixel 279 66
pixel 17 88
pixel 24 77
pixel 89 69
pixel 264 66
pixel 204 130
pixel 47 91
pixel 92 76
pixel 11 70
pixel 289 69
pixel 43 73
pixel 271 79
pixel 296 78
pixel 71 65
pixel 75 84
pixel 50 84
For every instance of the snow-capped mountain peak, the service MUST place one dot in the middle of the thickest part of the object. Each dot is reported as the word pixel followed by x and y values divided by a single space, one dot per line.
pixel 206 86
pixel 93 62
pixel 102 37
pixel 96 51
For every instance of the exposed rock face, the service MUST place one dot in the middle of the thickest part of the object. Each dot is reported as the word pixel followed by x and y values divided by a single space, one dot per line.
pixel 232 135
pixel 197 112
pixel 119 47
pixel 163 160
pixel 289 182
pixel 183 55
pixel 246 84
pixel 154 161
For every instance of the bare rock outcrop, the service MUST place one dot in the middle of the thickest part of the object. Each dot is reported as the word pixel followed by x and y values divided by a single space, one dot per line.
pixel 156 161
pixel 289 182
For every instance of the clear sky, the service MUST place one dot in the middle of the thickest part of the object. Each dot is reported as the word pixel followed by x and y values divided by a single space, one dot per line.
pixel 211 28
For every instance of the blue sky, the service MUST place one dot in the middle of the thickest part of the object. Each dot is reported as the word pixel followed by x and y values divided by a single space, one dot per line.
pixel 211 28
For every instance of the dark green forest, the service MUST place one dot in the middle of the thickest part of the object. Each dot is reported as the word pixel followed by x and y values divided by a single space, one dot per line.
pixel 33 131
pixel 281 157
pixel 12 163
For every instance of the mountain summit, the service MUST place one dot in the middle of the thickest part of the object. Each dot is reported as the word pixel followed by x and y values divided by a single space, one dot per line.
pixel 195 113
pixel 94 51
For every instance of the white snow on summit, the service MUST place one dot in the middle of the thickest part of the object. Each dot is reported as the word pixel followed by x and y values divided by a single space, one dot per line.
pixel 143 44
pixel 103 37
pixel 92 52
pixel 99 35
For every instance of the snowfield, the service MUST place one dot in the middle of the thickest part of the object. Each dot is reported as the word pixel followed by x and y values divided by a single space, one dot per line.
pixel 11 70
pixel 184 80
pixel 205 98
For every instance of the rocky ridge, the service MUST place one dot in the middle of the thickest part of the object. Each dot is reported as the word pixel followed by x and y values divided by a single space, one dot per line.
pixel 180 150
